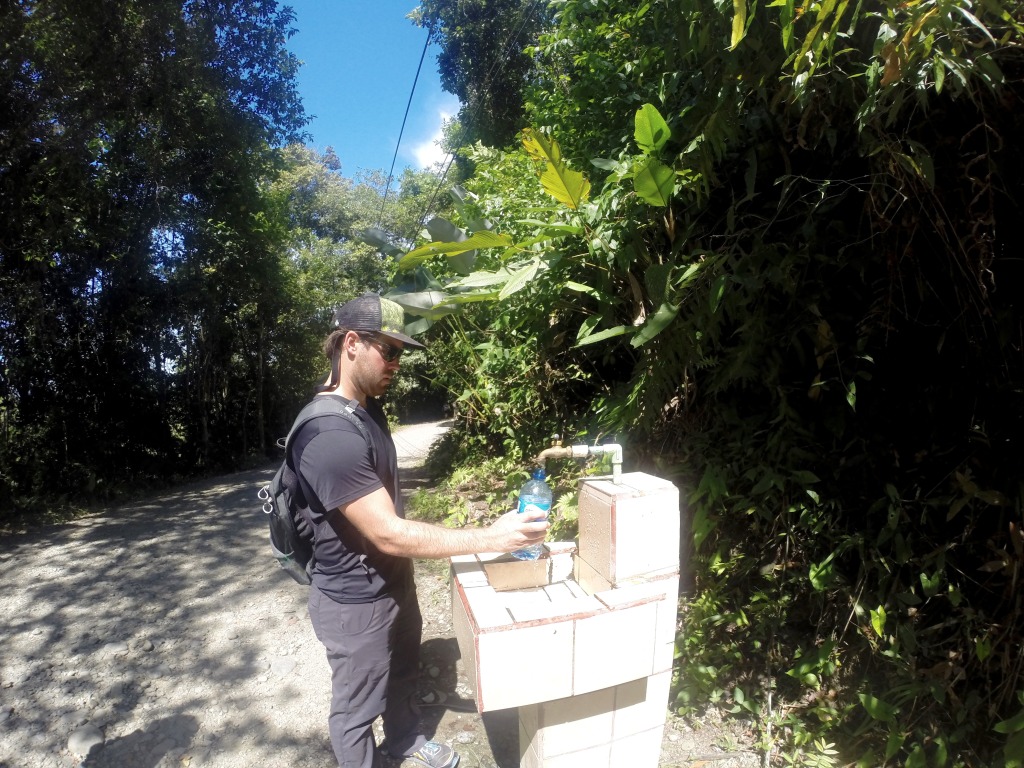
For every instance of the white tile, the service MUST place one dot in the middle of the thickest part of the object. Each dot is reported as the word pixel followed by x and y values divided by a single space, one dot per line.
pixel 564 610
pixel 665 629
pixel 629 529
pixel 469 574
pixel 560 567
pixel 464 635
pixel 529 718
pixel 524 598
pixel 641 705
pixel 577 722
pixel 595 522
pixel 594 757
pixel 575 588
pixel 529 754
pixel 587 577
pixel 646 534
pixel 622 597
pixel 643 483
pixel 662 573
pixel 524 665
pixel 637 751
pixel 560 547
pixel 558 592
pixel 488 557
pixel 614 647
pixel 486 608
pixel 604 486
pixel 663 658
pixel 529 738
pixel 659 583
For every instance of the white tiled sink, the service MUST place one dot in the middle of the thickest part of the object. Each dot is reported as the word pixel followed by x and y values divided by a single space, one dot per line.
pixel 580 619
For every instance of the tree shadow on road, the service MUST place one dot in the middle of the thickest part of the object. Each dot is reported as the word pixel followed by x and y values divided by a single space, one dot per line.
pixel 145 748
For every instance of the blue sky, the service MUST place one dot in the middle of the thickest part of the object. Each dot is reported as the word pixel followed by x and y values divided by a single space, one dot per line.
pixel 360 59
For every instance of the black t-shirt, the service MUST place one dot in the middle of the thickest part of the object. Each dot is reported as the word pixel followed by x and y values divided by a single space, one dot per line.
pixel 334 466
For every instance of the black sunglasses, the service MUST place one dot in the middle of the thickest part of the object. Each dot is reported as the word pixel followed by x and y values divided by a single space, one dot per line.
pixel 389 352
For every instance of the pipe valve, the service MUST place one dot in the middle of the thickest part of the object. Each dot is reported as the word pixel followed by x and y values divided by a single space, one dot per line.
pixel 558 451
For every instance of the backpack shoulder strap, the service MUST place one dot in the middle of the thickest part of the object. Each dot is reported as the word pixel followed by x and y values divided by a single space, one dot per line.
pixel 328 406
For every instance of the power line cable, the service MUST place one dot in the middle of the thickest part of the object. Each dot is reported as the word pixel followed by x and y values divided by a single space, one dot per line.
pixel 408 104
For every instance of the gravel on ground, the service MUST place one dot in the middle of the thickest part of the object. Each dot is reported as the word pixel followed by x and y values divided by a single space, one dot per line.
pixel 162 634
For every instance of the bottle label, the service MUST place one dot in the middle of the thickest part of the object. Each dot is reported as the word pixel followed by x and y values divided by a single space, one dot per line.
pixel 533 508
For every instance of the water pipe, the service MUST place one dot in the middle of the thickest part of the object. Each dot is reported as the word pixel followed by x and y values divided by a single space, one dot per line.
pixel 559 451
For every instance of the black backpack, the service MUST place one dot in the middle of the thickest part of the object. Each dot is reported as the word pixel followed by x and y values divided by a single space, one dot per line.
pixel 291 540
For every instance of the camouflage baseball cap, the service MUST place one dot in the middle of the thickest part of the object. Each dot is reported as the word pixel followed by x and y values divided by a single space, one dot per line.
pixel 372 313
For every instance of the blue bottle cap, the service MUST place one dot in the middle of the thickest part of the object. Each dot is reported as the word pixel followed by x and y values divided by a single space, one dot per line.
pixel 539 474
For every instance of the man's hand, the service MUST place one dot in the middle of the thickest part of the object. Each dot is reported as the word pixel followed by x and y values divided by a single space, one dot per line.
pixel 303 525
pixel 514 531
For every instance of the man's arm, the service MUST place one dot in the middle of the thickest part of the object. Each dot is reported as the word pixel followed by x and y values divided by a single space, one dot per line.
pixel 374 516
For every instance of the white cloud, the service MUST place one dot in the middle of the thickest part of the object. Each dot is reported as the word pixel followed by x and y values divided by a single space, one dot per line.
pixel 427 152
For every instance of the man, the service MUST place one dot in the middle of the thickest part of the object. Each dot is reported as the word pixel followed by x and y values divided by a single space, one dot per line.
pixel 362 602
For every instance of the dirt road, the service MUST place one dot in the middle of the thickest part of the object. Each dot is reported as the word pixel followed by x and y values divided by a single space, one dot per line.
pixel 162 635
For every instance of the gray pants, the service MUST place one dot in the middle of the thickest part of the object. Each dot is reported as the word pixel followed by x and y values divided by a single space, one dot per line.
pixel 374 651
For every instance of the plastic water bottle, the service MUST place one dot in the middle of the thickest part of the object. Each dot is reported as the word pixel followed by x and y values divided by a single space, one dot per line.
pixel 534 497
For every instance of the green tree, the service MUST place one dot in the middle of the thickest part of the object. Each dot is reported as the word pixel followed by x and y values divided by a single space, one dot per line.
pixel 791 290
pixel 133 139
pixel 332 221
pixel 483 61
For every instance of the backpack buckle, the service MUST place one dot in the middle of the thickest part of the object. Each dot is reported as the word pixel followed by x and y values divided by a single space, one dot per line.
pixel 264 495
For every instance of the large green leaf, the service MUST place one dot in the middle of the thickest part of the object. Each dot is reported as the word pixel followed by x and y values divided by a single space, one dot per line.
pixel 656 324
pixel 520 279
pixel 561 182
pixel 717 292
pixel 821 574
pixel 461 199
pixel 554 228
pixel 482 279
pixel 418 326
pixel 527 245
pixel 477 240
pixel 442 230
pixel 428 304
pixel 607 333
pixel 463 263
pixel 739 22
pixel 1014 725
pixel 580 288
pixel 654 182
pixel 472 298
pixel 801 59
pixel 650 129
pixel 656 279
pixel 378 238
pixel 877 708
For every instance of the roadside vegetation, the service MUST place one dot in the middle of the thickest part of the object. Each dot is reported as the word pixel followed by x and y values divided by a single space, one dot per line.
pixel 773 251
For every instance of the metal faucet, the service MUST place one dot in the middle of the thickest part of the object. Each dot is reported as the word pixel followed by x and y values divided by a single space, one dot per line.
pixel 559 451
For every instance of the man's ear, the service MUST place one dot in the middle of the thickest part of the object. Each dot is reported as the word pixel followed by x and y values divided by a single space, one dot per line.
pixel 350 341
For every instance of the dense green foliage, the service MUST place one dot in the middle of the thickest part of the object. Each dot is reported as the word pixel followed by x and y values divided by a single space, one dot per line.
pixel 484 61
pixel 168 260
pixel 138 260
pixel 792 286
